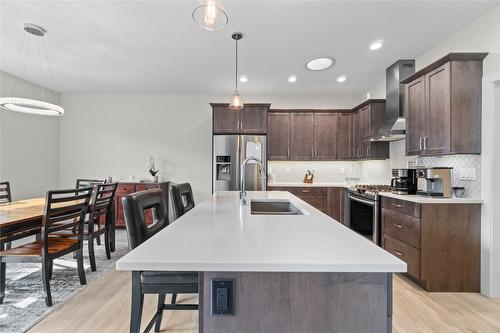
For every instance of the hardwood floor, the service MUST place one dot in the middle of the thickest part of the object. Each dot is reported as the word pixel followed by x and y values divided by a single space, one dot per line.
pixel 104 306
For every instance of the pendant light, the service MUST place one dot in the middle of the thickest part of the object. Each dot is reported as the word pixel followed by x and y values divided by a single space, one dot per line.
pixel 236 102
pixel 210 15
pixel 26 105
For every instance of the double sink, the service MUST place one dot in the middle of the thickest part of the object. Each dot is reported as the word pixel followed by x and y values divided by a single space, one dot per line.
pixel 273 207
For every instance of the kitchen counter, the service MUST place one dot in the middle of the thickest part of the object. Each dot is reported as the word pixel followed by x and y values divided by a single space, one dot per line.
pixel 299 184
pixel 307 261
pixel 429 200
pixel 221 235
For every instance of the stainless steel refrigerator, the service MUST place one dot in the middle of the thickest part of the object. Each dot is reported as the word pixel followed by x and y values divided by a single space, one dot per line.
pixel 229 151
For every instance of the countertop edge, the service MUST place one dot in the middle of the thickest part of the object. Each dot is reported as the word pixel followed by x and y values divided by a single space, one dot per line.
pixel 422 200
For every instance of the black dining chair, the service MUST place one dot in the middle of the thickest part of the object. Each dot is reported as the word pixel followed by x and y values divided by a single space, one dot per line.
pixel 86 182
pixel 182 199
pixel 153 282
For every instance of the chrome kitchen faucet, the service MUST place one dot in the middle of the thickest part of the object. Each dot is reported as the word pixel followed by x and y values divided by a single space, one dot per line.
pixel 243 193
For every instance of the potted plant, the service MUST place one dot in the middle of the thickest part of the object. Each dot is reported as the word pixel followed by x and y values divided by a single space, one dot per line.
pixel 153 171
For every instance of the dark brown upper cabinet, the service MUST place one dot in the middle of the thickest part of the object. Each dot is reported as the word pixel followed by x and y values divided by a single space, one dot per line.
pixel 325 136
pixel 252 119
pixel 367 117
pixel 443 106
pixel 343 136
pixel 302 136
pixel 278 136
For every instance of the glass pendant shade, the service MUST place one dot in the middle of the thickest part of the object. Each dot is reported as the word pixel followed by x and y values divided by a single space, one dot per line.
pixel 236 102
pixel 210 15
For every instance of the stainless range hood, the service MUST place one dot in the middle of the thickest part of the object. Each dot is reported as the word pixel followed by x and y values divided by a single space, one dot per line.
pixel 394 124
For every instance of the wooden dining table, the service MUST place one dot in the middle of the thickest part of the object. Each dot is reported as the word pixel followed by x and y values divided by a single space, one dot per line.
pixel 22 218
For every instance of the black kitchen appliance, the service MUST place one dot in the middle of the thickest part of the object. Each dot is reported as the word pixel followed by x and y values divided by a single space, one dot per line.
pixel 404 181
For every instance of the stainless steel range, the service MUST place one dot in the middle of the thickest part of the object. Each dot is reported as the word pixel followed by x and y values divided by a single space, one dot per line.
pixel 363 210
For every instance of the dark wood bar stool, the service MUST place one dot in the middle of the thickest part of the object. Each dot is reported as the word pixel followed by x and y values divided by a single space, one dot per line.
pixel 64 210
pixel 100 206
pixel 153 282
pixel 182 199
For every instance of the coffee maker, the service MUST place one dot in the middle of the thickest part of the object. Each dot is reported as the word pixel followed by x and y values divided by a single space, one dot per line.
pixel 404 181
pixel 434 182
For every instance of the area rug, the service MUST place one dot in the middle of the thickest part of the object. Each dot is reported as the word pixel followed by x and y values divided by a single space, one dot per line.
pixel 24 302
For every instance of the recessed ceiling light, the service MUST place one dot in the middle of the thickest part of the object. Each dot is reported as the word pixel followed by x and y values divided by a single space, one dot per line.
pixel 342 78
pixel 376 45
pixel 243 78
pixel 320 64
pixel 292 78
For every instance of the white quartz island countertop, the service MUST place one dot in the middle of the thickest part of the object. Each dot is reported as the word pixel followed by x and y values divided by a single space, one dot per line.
pixel 221 235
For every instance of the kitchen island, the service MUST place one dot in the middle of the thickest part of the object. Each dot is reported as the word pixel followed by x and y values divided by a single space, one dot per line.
pixel 291 273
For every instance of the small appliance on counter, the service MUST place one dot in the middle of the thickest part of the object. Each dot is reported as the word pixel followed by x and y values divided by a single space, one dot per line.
pixel 434 182
pixel 404 181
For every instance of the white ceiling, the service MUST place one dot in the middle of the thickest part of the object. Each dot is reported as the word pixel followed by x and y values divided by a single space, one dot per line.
pixel 139 46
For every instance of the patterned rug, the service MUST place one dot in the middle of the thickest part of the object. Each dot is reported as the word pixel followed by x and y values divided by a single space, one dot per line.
pixel 24 302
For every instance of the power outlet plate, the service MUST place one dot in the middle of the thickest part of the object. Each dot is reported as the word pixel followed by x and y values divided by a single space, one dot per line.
pixel 467 174
pixel 222 296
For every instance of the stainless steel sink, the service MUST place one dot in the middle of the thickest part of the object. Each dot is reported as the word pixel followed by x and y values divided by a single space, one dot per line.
pixel 273 207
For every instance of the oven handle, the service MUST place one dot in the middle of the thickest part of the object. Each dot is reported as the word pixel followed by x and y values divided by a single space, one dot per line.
pixel 367 202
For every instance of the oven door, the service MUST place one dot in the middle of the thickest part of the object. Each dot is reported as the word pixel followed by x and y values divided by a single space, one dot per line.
pixel 363 217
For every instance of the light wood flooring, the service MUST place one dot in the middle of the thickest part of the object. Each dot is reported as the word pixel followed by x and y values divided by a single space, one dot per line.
pixel 104 306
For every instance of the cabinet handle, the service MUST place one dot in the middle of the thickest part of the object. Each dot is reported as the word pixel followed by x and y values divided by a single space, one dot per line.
pixel 397 205
pixel 305 191
pixel 288 152
pixel 397 225
pixel 420 143
pixel 398 253
pixel 425 143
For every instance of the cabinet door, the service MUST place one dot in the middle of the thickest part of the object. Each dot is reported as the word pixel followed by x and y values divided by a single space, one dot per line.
pixel 343 130
pixel 357 134
pixel 225 120
pixel 302 136
pixel 278 136
pixel 325 136
pixel 336 203
pixel 438 90
pixel 365 121
pixel 254 120
pixel 416 116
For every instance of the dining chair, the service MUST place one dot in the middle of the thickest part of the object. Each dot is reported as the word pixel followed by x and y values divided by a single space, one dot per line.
pixel 64 210
pixel 153 282
pixel 101 205
pixel 86 182
pixel 5 195
pixel 182 199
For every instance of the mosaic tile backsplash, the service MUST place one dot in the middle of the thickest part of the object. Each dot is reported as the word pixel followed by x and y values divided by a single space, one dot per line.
pixel 472 187
pixel 377 172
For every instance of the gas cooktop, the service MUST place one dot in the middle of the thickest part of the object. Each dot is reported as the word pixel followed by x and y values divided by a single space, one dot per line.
pixel 368 191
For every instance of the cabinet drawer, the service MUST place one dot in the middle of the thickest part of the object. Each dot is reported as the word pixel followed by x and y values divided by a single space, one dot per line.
pixel 308 191
pixel 403 227
pixel 144 187
pixel 125 188
pixel 401 206
pixel 405 252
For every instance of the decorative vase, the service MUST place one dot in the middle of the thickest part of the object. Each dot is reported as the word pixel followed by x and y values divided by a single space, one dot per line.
pixel 154 179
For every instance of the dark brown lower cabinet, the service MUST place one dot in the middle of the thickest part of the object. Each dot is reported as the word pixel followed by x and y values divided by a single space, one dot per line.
pixel 440 243
pixel 329 200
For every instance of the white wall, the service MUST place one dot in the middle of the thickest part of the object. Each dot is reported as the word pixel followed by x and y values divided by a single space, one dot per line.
pixel 29 144
pixel 482 35
pixel 113 134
